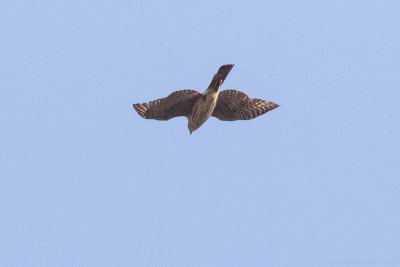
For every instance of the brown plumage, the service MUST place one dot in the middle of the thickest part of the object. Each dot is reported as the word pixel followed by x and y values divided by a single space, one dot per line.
pixel 228 105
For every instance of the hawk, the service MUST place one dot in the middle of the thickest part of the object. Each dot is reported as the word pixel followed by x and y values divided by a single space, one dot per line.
pixel 228 105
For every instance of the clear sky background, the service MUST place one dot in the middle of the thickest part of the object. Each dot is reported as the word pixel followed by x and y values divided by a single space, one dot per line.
pixel 85 181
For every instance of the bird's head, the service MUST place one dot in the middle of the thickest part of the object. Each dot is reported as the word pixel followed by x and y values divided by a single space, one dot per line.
pixel 192 127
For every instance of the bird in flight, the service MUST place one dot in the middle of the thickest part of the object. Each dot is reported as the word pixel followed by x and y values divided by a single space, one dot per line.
pixel 228 105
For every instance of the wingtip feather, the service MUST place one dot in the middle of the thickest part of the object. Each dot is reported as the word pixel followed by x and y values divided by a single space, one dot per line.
pixel 140 109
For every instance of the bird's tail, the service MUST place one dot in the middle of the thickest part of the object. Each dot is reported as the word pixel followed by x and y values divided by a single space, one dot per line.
pixel 220 76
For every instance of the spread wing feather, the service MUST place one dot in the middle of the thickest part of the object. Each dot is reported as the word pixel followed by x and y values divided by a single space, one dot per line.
pixel 177 104
pixel 235 105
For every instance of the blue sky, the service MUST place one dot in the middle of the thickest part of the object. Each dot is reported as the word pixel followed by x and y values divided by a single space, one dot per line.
pixel 85 181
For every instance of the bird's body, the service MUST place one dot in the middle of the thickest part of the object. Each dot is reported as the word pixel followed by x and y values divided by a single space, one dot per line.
pixel 203 109
pixel 226 105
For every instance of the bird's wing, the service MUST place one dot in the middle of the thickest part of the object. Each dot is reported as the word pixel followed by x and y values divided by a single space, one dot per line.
pixel 177 104
pixel 235 105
